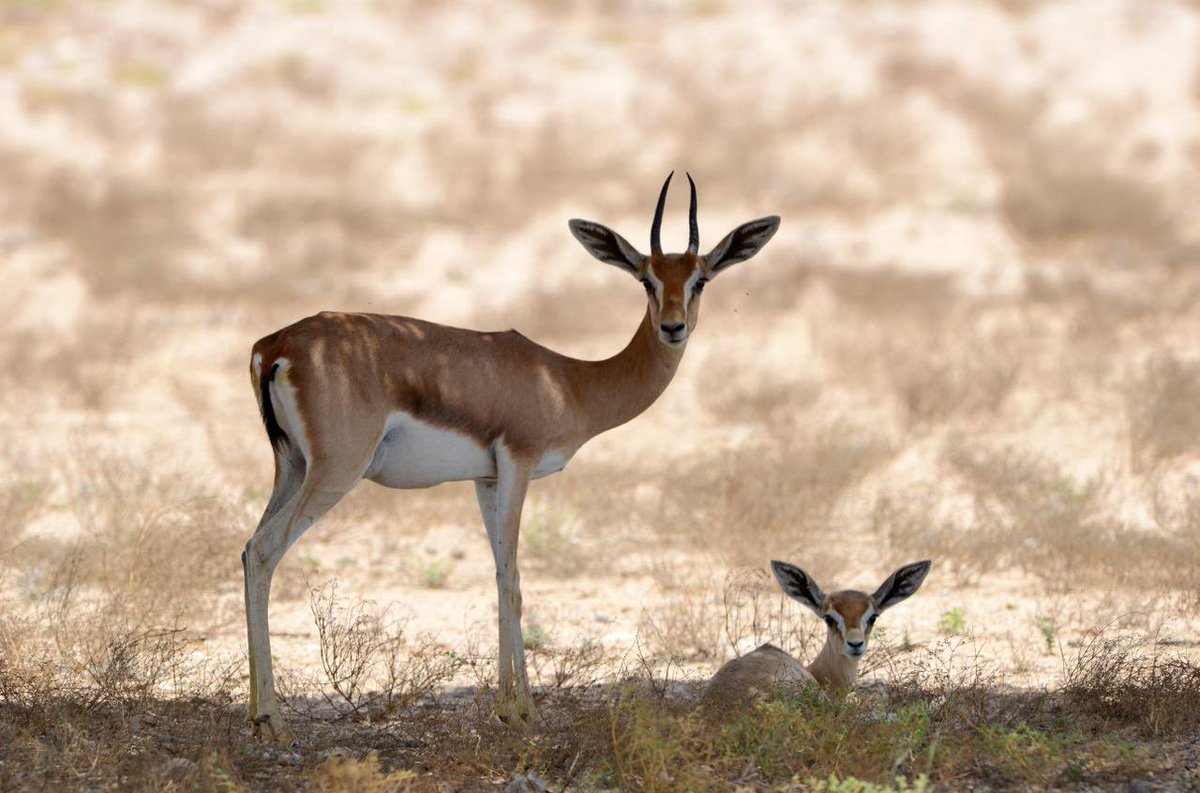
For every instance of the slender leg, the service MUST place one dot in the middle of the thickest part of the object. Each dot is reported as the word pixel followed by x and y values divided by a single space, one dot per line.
pixel 289 475
pixel 275 534
pixel 487 493
pixel 512 483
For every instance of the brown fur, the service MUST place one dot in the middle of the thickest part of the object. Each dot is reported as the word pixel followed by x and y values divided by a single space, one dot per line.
pixel 753 676
pixel 351 370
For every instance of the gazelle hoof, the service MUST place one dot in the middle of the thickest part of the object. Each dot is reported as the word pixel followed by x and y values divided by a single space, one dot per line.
pixel 276 729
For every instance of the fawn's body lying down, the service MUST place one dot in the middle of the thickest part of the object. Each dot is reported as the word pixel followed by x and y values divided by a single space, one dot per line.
pixel 850 616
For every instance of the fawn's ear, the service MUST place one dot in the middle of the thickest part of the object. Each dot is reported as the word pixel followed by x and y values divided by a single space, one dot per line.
pixel 741 243
pixel 799 585
pixel 608 246
pixel 901 584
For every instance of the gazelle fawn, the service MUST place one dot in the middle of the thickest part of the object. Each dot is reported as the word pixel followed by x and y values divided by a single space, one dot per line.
pixel 849 616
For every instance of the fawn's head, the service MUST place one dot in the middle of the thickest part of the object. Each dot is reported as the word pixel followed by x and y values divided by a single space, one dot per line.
pixel 674 281
pixel 850 614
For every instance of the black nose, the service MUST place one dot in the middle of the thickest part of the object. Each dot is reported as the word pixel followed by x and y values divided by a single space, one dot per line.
pixel 854 645
pixel 672 328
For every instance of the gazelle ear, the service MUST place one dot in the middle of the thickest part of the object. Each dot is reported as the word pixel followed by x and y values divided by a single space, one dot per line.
pixel 742 243
pixel 799 585
pixel 901 584
pixel 608 246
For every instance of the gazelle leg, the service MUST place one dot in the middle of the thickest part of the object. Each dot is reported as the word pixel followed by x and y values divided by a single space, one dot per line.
pixel 275 534
pixel 512 479
pixel 487 493
pixel 289 475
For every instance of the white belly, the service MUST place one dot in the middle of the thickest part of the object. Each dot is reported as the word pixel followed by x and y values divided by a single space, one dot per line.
pixel 415 454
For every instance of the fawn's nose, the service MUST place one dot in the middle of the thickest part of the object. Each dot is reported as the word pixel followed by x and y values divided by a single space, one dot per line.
pixel 855 647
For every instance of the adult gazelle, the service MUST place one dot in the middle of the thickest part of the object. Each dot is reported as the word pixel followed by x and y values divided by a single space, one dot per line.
pixel 409 404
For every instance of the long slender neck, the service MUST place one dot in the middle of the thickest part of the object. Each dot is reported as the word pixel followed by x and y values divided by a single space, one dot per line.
pixel 832 668
pixel 617 389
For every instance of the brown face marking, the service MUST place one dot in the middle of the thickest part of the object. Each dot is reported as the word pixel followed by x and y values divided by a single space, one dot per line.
pixel 852 606
pixel 673 271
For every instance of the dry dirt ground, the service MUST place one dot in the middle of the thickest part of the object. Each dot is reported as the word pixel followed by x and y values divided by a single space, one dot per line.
pixel 974 340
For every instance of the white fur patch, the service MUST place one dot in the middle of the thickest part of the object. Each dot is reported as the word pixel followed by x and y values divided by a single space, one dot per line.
pixel 414 454
pixel 287 410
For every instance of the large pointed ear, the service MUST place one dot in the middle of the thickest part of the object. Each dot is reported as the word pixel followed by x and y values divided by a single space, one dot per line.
pixel 799 585
pixel 742 243
pixel 608 246
pixel 900 584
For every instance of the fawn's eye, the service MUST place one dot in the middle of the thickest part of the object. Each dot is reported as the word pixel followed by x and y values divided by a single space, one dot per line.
pixel 649 286
pixel 830 621
pixel 871 620
pixel 699 287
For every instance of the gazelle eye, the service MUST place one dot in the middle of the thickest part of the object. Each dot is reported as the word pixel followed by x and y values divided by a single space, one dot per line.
pixel 699 287
pixel 830 621
pixel 871 620
pixel 649 286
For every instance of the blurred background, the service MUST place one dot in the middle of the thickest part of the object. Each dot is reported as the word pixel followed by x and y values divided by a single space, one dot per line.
pixel 973 339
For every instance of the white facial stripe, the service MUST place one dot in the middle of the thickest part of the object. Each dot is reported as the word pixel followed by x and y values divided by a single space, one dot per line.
pixel 841 621
pixel 658 286
pixel 689 286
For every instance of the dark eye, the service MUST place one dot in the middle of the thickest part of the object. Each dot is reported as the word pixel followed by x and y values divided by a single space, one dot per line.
pixel 699 287
pixel 649 286
pixel 871 620
pixel 830 621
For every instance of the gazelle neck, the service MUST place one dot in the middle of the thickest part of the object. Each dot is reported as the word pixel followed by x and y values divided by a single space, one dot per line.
pixel 615 390
pixel 832 668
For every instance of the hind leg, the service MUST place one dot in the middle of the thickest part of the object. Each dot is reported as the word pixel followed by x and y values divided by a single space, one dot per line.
pixel 289 476
pixel 278 531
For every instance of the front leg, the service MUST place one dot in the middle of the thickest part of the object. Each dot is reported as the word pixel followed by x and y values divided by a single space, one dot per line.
pixel 500 502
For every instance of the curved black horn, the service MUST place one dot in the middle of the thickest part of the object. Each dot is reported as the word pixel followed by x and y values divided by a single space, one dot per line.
pixel 655 242
pixel 693 226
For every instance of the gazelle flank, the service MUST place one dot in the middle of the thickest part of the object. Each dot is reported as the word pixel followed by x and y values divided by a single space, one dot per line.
pixel 407 403
pixel 849 616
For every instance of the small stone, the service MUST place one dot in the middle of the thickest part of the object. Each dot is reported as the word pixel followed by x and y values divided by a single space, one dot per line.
pixel 525 783
pixel 1138 786
pixel 177 768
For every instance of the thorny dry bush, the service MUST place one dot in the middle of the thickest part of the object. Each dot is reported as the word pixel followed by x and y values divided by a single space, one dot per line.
pixel 370 667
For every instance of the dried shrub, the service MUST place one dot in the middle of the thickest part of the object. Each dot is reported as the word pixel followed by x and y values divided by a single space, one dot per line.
pixel 580 665
pixel 686 625
pixel 1160 405
pixel 152 537
pixel 1116 681
pixel 756 611
pixel 366 660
